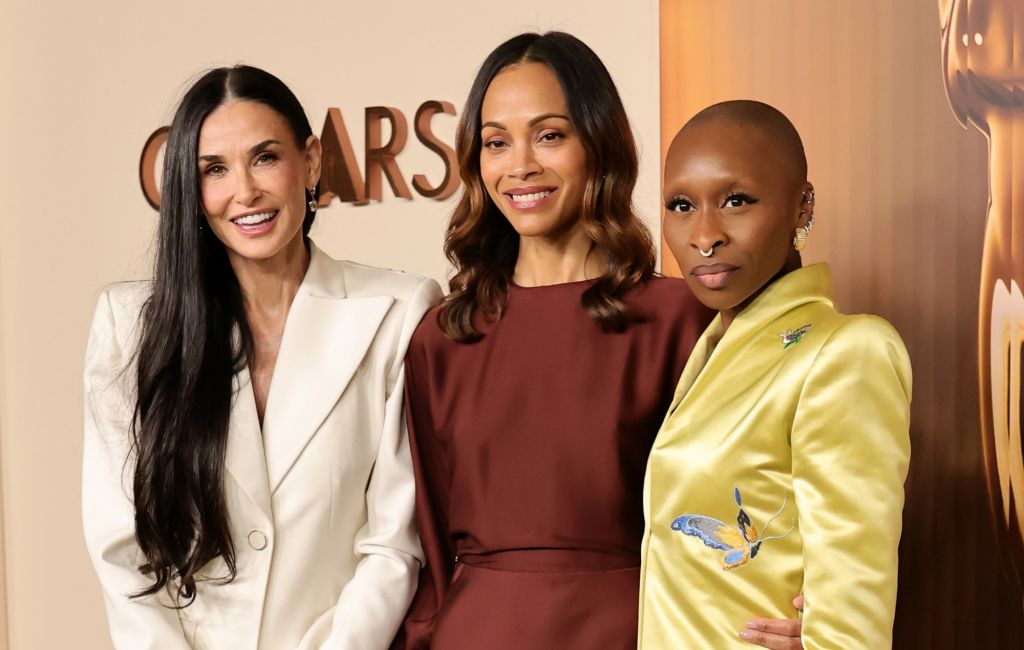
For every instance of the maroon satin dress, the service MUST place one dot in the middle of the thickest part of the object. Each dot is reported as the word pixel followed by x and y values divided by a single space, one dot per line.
pixel 529 448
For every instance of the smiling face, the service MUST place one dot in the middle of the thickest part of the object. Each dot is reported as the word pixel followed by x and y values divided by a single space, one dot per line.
pixel 532 162
pixel 253 180
pixel 730 193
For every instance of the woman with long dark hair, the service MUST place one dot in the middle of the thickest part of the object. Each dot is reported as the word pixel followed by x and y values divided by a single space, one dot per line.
pixel 535 390
pixel 246 474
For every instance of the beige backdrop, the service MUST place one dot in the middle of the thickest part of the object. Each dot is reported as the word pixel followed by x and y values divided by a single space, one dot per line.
pixel 84 84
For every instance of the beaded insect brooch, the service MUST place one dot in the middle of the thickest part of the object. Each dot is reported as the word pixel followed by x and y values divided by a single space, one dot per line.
pixel 790 337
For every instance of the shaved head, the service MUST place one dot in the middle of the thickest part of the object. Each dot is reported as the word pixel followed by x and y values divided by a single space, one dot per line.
pixel 735 193
pixel 768 120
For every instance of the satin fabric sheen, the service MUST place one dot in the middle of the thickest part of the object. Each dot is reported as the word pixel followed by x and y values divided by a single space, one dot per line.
pixel 529 448
pixel 820 425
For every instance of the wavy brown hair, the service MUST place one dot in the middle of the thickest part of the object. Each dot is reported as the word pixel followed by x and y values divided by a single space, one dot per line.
pixel 481 243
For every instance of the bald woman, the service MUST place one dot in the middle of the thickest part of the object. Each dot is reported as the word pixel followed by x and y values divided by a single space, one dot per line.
pixel 780 465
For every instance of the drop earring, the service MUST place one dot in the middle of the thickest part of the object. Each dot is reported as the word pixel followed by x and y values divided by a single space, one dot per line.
pixel 312 204
pixel 800 238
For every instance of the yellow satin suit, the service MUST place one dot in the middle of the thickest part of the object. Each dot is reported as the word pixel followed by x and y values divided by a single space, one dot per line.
pixel 779 469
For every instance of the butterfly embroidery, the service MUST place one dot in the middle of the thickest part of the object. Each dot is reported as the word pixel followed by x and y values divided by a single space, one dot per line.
pixel 741 544
pixel 789 337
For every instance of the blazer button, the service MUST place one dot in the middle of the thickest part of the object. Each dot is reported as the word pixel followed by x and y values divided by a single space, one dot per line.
pixel 257 540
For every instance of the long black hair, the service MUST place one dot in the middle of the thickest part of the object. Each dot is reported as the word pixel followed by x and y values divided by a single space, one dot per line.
pixel 480 242
pixel 194 339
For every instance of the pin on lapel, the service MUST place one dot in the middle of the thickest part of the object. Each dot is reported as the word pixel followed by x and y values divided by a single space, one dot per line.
pixel 789 337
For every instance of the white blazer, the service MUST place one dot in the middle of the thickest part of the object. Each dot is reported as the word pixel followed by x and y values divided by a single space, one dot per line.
pixel 320 501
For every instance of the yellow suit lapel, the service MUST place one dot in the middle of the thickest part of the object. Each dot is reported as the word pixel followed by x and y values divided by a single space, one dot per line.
pixel 699 357
pixel 799 287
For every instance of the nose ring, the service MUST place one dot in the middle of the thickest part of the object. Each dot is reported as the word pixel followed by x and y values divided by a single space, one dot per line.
pixel 706 253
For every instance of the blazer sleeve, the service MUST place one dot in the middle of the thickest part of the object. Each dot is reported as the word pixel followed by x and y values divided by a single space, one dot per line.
pixel 851 451
pixel 433 490
pixel 370 608
pixel 107 512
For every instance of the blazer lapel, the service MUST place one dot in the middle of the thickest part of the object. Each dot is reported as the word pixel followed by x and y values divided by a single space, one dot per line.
pixel 325 339
pixel 698 360
pixel 245 459
pixel 796 288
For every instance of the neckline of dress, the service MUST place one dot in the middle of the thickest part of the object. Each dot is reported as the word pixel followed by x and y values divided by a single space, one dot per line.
pixel 514 285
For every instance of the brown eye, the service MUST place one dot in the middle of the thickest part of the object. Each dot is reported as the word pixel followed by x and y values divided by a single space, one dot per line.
pixel 738 200
pixel 679 205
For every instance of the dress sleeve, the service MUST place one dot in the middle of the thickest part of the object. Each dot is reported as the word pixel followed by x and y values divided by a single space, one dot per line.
pixel 851 451
pixel 433 489
pixel 108 515
pixel 370 608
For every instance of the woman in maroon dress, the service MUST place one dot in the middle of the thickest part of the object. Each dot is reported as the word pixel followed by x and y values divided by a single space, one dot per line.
pixel 535 390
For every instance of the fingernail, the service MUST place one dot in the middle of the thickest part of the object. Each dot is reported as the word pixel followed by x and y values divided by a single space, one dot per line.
pixel 746 635
pixel 751 625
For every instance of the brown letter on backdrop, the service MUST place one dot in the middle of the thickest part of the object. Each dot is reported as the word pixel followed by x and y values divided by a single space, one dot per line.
pixel 147 166
pixel 340 177
pixel 421 124
pixel 381 158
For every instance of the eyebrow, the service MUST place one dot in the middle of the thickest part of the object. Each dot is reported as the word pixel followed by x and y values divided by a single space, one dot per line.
pixel 252 151
pixel 539 118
